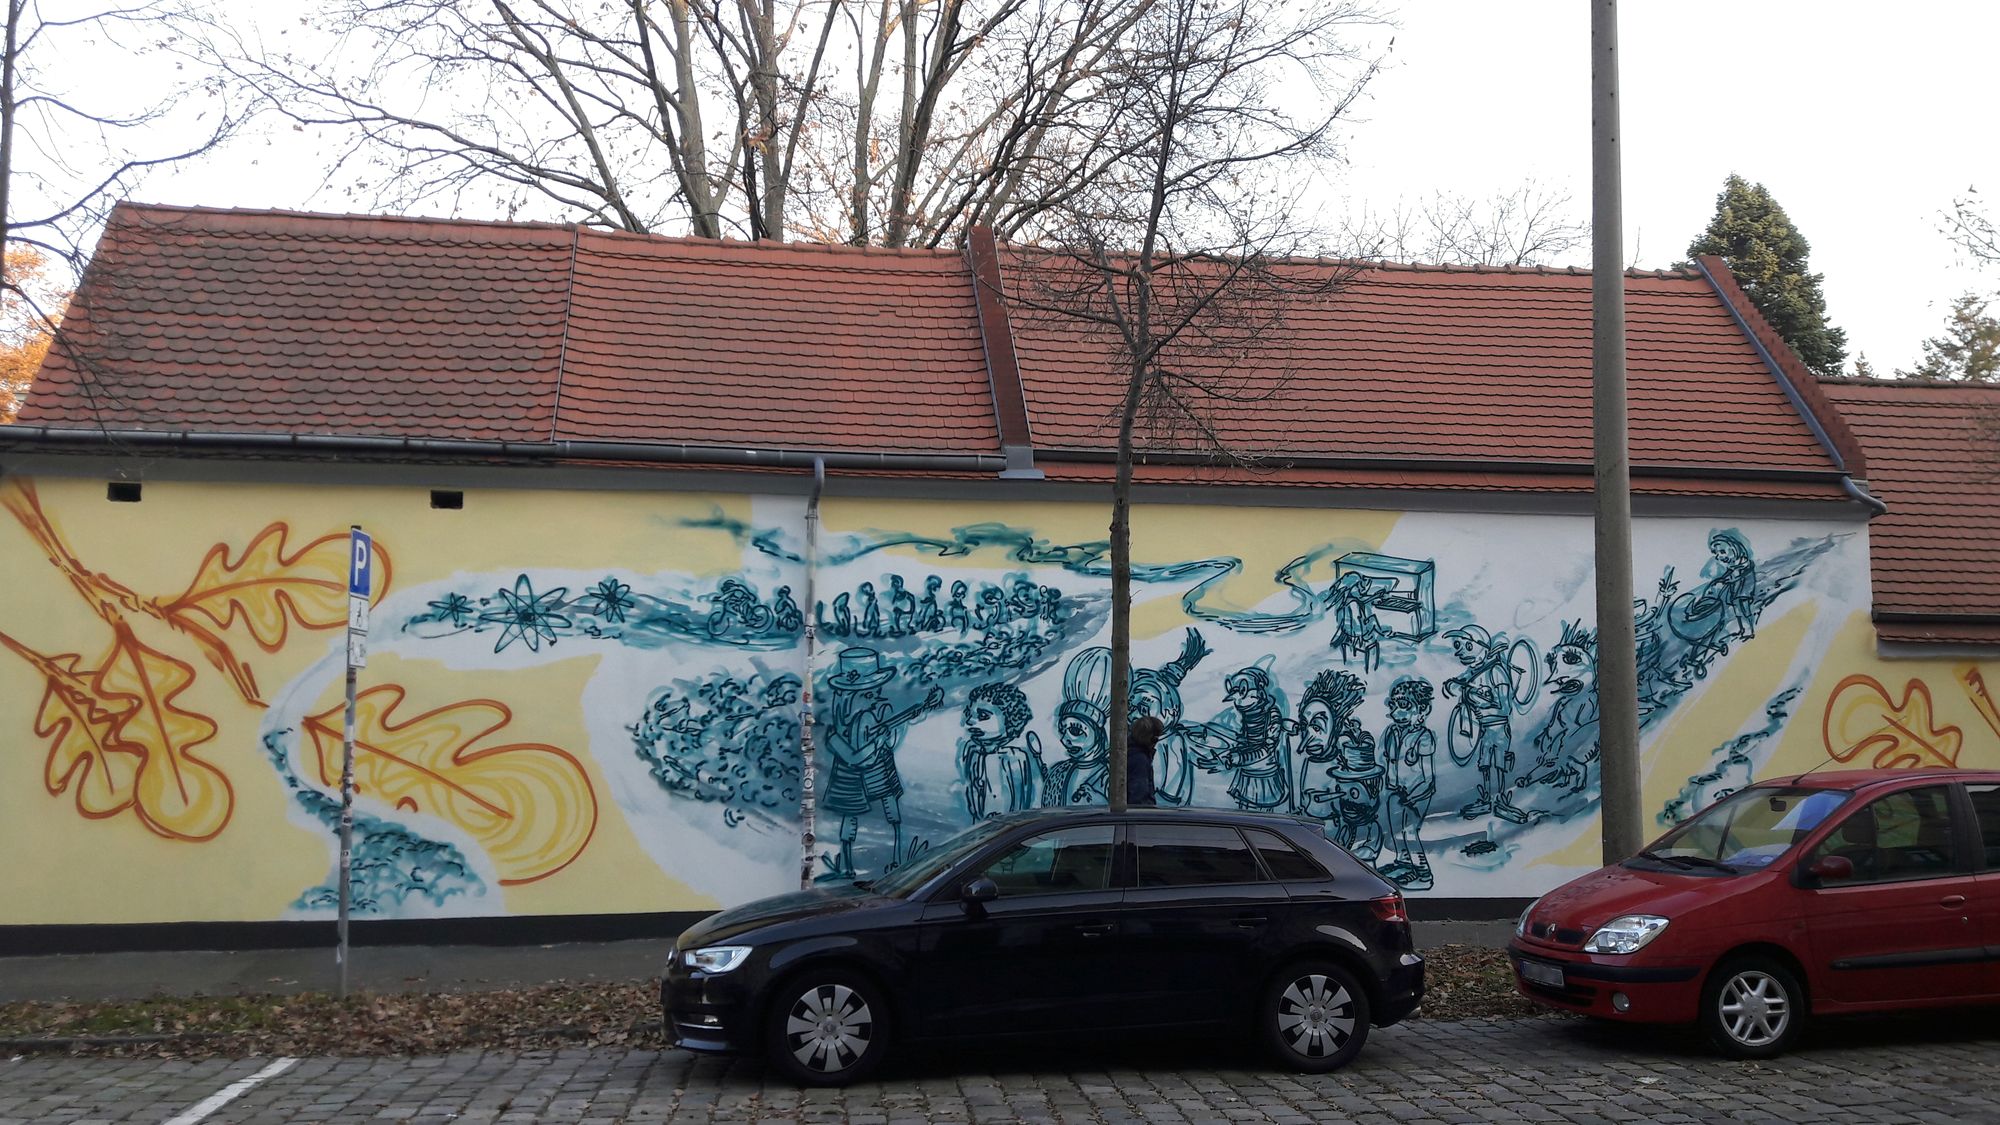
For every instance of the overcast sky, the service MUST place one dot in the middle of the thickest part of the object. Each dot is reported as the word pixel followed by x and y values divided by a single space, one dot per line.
pixel 1864 121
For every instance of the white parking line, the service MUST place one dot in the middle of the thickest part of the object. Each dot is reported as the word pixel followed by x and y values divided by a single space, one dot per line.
pixel 230 1093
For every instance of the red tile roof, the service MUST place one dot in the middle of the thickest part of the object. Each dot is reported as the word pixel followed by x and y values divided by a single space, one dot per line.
pixel 260 321
pixel 775 346
pixel 1422 377
pixel 1447 364
pixel 247 321
pixel 1934 457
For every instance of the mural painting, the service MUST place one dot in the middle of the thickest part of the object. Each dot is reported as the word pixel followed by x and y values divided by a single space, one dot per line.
pixel 1431 703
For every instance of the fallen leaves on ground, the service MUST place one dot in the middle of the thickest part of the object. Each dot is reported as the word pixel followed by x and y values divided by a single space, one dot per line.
pixel 1461 983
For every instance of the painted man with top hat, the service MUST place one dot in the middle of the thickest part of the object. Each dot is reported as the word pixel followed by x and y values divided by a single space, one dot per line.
pixel 862 738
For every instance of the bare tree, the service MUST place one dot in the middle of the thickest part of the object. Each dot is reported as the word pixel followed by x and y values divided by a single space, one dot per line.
pixel 1968 225
pixel 1531 225
pixel 898 122
pixel 66 158
pixel 1172 260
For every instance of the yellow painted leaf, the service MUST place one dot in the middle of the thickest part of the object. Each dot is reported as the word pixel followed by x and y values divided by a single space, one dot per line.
pixel 84 758
pixel 267 589
pixel 176 793
pixel 529 804
pixel 1867 725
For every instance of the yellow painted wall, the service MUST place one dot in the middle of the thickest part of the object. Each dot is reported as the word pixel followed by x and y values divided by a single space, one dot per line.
pixel 575 734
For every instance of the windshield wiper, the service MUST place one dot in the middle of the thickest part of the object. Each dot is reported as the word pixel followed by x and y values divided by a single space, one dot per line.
pixel 1688 861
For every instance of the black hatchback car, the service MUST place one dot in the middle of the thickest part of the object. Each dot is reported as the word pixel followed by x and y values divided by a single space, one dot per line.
pixel 1060 921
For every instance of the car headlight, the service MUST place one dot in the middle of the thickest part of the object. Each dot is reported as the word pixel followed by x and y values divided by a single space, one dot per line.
pixel 1626 934
pixel 1521 923
pixel 715 958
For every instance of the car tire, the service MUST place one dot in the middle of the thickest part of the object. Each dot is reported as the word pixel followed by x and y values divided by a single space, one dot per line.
pixel 827 1028
pixel 1314 1017
pixel 1752 1008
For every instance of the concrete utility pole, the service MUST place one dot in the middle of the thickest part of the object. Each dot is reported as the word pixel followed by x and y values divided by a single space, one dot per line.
pixel 1617 660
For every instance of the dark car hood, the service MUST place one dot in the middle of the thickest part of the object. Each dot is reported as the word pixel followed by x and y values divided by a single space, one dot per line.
pixel 1583 904
pixel 819 902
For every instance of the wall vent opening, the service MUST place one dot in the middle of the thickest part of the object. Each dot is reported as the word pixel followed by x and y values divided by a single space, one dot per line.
pixel 449 499
pixel 122 491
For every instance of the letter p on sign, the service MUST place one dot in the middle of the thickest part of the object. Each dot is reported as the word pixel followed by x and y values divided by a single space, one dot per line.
pixel 361 566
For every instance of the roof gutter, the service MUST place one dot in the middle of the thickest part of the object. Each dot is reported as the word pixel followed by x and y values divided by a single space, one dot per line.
pixel 662 452
pixel 1451 465
pixel 1848 484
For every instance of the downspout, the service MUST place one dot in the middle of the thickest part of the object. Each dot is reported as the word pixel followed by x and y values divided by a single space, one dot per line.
pixel 808 800
pixel 1848 484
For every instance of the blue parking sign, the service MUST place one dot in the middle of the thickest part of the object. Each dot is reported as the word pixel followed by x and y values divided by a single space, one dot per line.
pixel 360 563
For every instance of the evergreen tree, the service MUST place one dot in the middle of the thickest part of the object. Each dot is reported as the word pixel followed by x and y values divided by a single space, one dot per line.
pixel 1767 254
pixel 1969 350
pixel 1863 368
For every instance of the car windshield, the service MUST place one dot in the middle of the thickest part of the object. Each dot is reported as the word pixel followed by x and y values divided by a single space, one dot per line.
pixel 1746 830
pixel 919 869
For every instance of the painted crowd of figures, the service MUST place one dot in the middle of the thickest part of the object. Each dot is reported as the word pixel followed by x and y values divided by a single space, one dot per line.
pixel 902 650
pixel 1371 782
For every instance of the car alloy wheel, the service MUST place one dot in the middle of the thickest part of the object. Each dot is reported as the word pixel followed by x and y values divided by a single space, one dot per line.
pixel 1751 1008
pixel 1315 1016
pixel 828 1029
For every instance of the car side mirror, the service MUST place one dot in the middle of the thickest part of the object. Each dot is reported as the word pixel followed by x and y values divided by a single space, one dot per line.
pixel 1831 868
pixel 979 892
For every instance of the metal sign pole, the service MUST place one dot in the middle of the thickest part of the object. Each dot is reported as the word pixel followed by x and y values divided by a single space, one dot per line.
pixel 360 577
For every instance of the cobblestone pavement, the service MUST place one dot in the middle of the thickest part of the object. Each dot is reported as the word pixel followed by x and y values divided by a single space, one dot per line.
pixel 1929 1070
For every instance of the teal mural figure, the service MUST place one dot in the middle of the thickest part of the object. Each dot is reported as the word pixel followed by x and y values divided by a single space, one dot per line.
pixel 1489 693
pixel 902 608
pixel 1026 601
pixel 1567 745
pixel 861 738
pixel 870 624
pixel 785 611
pixel 991 612
pixel 1052 605
pixel 737 605
pixel 1260 757
pixel 999 775
pixel 843 616
pixel 1408 752
pixel 1157 692
pixel 930 617
pixel 1083 775
pixel 1658 682
pixel 1357 631
pixel 1723 608
pixel 957 616
pixel 1328 701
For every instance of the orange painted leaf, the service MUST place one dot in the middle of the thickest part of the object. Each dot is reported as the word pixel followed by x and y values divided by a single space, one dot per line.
pixel 1865 724
pixel 267 589
pixel 529 804
pixel 84 759
pixel 1982 700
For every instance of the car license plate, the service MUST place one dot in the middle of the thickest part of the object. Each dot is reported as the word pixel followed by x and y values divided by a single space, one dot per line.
pixel 1541 972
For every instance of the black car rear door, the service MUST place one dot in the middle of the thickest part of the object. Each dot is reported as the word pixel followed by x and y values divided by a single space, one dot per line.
pixel 1042 956
pixel 1199 923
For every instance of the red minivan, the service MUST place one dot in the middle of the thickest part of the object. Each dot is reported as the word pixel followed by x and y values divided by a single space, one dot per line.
pixel 1826 893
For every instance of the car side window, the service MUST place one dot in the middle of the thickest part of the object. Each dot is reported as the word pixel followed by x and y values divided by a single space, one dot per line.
pixel 1067 859
pixel 1286 862
pixel 1906 835
pixel 1192 855
pixel 1986 802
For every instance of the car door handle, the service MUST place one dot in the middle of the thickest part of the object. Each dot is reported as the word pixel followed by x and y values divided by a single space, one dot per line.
pixel 1250 921
pixel 1093 929
pixel 1952 901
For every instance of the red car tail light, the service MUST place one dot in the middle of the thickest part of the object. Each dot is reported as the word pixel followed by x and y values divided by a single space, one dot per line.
pixel 1390 908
